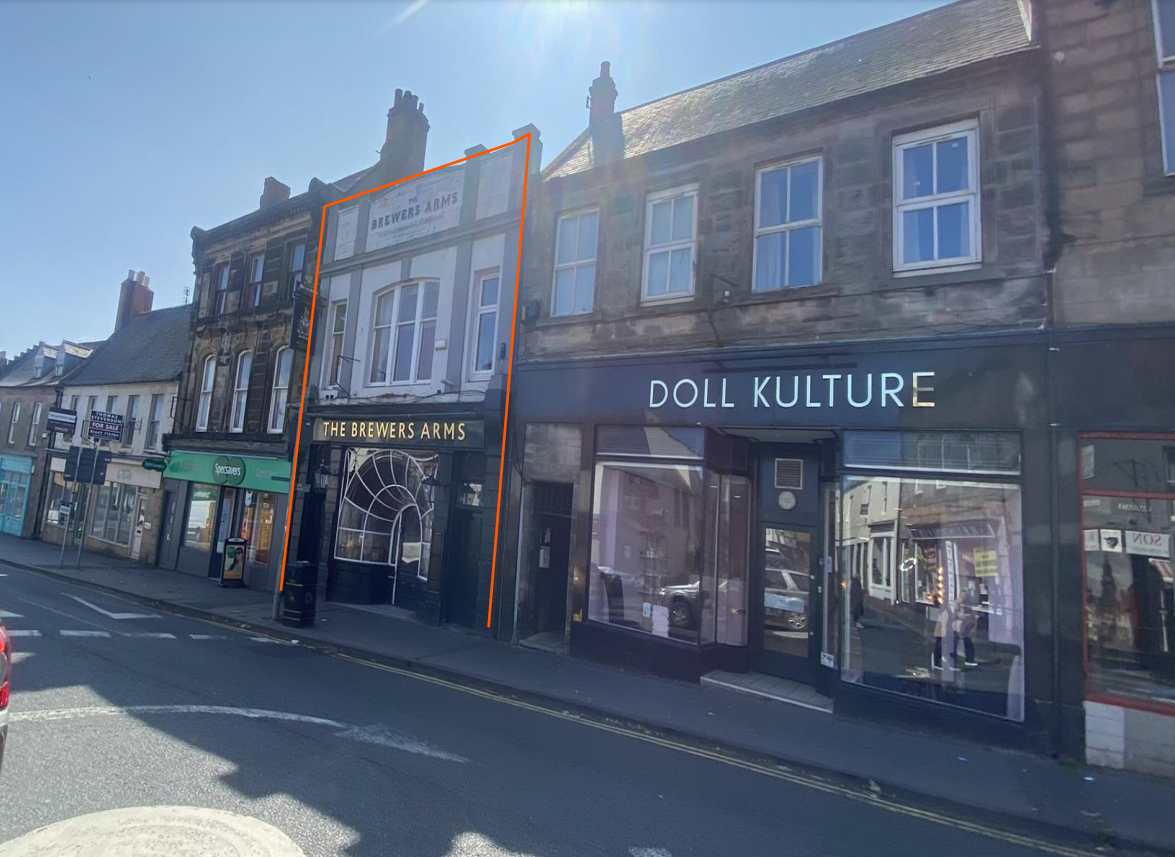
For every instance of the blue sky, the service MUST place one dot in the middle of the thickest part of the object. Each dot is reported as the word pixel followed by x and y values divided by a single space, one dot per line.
pixel 125 124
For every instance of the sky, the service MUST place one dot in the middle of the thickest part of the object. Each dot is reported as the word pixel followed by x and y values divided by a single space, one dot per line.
pixel 125 124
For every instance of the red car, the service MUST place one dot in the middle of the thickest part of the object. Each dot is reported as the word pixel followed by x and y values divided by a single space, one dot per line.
pixel 5 672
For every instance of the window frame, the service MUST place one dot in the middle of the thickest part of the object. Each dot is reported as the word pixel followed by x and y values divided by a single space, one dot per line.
pixel 1165 62
pixel 34 423
pixel 337 342
pixel 760 231
pixel 238 390
pixel 220 281
pixel 968 128
pixel 13 419
pixel 394 326
pixel 575 265
pixel 274 409
pixel 255 285
pixel 207 384
pixel 651 199
pixel 132 414
pixel 151 439
pixel 294 274
pixel 478 309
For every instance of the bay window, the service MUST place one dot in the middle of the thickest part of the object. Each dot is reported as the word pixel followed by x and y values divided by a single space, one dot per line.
pixel 936 198
pixel 670 233
pixel 788 231
pixel 241 391
pixel 404 333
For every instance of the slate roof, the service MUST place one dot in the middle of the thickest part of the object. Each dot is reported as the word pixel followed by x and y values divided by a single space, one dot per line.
pixel 933 42
pixel 151 347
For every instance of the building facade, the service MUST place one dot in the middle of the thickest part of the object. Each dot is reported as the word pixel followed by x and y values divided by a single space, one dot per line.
pixel 27 391
pixel 398 477
pixel 229 457
pixel 779 400
pixel 134 374
pixel 1112 114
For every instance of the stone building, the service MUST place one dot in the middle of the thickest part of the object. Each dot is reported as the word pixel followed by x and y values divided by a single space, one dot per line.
pixel 27 391
pixel 401 447
pixel 1111 102
pixel 778 419
pixel 229 462
pixel 134 374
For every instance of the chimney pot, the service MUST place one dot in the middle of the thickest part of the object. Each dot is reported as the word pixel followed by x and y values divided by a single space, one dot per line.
pixel 406 139
pixel 134 297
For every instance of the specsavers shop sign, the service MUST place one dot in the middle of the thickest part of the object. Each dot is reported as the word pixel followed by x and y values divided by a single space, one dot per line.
pixel 257 474
pixel 415 209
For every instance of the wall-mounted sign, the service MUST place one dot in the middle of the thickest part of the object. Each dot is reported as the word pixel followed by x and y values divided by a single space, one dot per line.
pixel 1112 541
pixel 346 229
pixel 797 390
pixel 259 474
pixel 415 209
pixel 104 426
pixel 402 431
pixel 158 465
pixel 1148 544
pixel 62 420
pixel 228 470
pixel 986 563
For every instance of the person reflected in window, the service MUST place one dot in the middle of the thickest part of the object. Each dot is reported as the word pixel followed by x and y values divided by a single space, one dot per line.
pixel 857 599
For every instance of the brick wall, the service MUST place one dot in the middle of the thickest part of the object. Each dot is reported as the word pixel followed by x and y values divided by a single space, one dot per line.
pixel 1116 206
pixel 859 296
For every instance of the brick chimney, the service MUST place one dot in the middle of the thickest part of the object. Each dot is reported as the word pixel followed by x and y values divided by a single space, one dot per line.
pixel 603 121
pixel 274 193
pixel 406 138
pixel 134 297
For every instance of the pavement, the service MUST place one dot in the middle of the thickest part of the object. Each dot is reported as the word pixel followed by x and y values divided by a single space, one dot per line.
pixel 950 778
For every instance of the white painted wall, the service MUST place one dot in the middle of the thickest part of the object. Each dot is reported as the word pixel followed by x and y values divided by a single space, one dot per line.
pixel 168 390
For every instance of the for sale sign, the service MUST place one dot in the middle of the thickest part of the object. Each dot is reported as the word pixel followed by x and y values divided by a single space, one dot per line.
pixel 105 426
pixel 1148 544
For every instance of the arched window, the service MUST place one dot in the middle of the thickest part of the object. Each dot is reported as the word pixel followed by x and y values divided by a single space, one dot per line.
pixel 206 383
pixel 386 512
pixel 281 390
pixel 241 391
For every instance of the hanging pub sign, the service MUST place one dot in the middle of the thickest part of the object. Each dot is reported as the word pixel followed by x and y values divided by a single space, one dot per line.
pixel 401 431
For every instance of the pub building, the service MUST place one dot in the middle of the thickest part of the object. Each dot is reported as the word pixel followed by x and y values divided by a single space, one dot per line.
pixel 397 480
pixel 780 417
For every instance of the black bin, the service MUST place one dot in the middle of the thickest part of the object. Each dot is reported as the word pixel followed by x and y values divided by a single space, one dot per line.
pixel 300 594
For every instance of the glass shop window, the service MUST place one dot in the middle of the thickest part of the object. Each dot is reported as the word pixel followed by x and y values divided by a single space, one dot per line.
pixel 201 523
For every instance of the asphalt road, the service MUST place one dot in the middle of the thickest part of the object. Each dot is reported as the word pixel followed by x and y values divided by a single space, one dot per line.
pixel 115 709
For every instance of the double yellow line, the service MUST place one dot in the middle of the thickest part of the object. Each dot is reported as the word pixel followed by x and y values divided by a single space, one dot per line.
pixel 779 773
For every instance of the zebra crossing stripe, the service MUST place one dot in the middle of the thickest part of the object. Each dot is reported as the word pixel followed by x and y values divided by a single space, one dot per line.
pixel 85 633
pixel 207 636
pixel 21 632
pixel 155 635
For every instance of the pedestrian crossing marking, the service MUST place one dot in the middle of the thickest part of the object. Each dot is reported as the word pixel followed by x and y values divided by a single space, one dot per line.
pixel 21 632
pixel 207 636
pixel 156 635
pixel 85 633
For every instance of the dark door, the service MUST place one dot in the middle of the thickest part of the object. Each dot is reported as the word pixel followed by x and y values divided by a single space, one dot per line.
pixel 168 545
pixel 310 533
pixel 550 561
pixel 462 548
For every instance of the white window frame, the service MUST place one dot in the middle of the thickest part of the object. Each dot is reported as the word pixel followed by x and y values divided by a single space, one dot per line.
pixel 13 419
pixel 1165 55
pixel 33 426
pixel 296 271
pixel 222 287
pixel 969 129
pixel 111 404
pixel 577 263
pixel 760 231
pixel 651 199
pixel 256 274
pixel 397 291
pixel 333 353
pixel 132 415
pixel 153 424
pixel 207 382
pixel 478 310
pixel 240 394
pixel 277 410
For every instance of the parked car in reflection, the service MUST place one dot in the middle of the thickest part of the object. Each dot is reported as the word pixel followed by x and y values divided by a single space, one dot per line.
pixel 785 599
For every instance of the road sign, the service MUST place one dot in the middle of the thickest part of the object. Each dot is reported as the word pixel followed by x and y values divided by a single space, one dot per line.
pixel 86 465
pixel 63 420
pixel 105 426
pixel 156 464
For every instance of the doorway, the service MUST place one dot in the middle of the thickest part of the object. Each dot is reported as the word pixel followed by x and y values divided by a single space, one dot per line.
pixel 462 549
pixel 550 556
pixel 166 555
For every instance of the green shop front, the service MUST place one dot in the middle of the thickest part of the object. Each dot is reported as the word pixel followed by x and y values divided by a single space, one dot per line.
pixel 211 498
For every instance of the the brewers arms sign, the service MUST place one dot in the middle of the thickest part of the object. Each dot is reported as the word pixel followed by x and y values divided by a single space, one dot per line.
pixel 403 431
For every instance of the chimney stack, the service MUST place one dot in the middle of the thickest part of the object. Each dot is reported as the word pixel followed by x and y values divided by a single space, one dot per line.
pixel 406 139
pixel 3 359
pixel 603 121
pixel 274 193
pixel 134 298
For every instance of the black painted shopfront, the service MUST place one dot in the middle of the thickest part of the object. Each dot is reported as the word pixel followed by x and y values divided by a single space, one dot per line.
pixel 398 506
pixel 871 520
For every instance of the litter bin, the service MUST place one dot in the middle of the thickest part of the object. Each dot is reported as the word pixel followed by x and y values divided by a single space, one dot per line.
pixel 299 594
pixel 232 565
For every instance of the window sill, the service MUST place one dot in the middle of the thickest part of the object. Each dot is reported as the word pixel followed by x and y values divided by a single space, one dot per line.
pixel 659 301
pixel 789 293
pixel 937 269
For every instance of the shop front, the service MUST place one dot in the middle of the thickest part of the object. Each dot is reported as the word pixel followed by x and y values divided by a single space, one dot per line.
pixel 217 497
pixel 402 506
pixel 15 478
pixel 855 520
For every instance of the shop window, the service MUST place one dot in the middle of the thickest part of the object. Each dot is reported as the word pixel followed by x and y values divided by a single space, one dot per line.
pixel 987 453
pixel 113 510
pixel 58 502
pixel 386 511
pixel 257 525
pixel 936 198
pixel 241 391
pixel 788 245
pixel 1128 516
pixel 575 263
pixel 935 590
pixel 639 441
pixel 201 523
pixel 670 232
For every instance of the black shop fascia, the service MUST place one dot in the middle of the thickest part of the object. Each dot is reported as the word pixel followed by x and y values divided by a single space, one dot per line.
pixel 397 500
pixel 848 517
